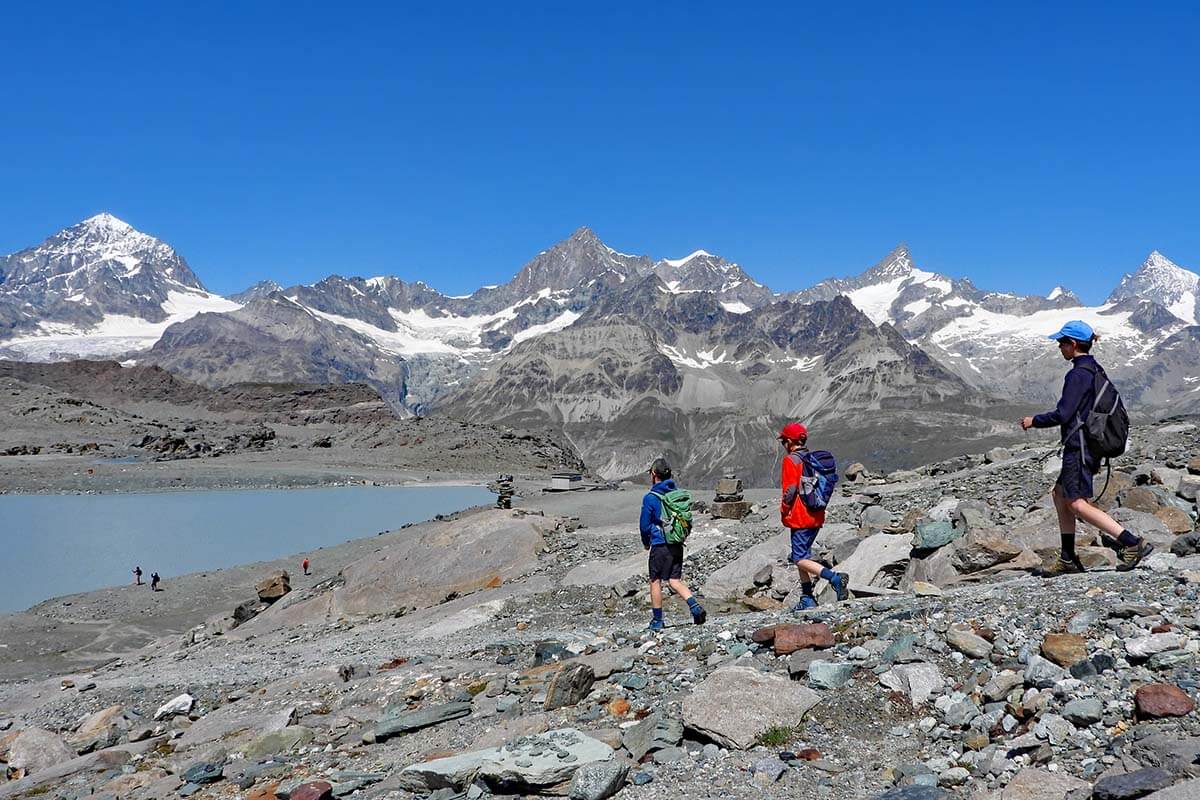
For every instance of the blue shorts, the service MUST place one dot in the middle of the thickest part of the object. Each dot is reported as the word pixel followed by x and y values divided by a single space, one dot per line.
pixel 802 542
pixel 1075 480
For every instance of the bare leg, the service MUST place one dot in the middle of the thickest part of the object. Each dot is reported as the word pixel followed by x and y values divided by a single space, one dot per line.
pixel 1087 512
pixel 678 587
pixel 1066 516
pixel 656 594
pixel 808 569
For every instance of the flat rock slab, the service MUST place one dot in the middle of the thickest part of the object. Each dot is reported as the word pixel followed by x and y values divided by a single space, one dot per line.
pixel 535 762
pixel 1188 790
pixel 1132 785
pixel 514 767
pixel 246 715
pixel 732 581
pixel 872 556
pixel 35 750
pixel 734 705
pixel 395 724
pixel 1038 784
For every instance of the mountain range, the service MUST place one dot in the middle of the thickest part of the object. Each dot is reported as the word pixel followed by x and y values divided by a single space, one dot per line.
pixel 630 356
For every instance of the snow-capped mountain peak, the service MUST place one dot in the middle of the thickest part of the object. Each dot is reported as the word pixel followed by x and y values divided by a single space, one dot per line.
pixel 896 264
pixel 106 222
pixel 679 262
pixel 1160 280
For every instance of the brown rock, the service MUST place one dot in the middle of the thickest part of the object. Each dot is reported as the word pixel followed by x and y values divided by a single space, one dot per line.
pixel 264 792
pixel 1139 498
pixel 733 509
pixel 1176 520
pixel 761 602
pixel 1162 700
pixel 274 586
pixel 314 790
pixel 814 636
pixel 618 707
pixel 1117 484
pixel 1064 649
pixel 764 635
pixel 570 684
pixel 1193 465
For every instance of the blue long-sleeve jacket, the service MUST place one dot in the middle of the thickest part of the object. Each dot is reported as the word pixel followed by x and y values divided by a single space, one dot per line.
pixel 651 523
pixel 1079 392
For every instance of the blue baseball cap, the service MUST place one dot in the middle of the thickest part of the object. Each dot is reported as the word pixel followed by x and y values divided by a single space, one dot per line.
pixel 1076 329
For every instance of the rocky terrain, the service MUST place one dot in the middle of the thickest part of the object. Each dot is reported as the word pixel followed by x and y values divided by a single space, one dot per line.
pixel 504 654
pixel 98 426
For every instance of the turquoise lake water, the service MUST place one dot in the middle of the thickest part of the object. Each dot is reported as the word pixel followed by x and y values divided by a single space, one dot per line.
pixel 62 544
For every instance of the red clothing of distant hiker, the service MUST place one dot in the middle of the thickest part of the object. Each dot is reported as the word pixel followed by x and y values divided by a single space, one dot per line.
pixel 792 509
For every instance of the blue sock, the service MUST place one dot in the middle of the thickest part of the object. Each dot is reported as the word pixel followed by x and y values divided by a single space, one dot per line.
pixel 1127 539
pixel 692 604
pixel 827 573
pixel 657 614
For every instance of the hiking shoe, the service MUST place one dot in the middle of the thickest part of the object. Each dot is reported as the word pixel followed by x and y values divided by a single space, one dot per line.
pixel 1130 557
pixel 806 602
pixel 841 585
pixel 699 616
pixel 656 625
pixel 1061 567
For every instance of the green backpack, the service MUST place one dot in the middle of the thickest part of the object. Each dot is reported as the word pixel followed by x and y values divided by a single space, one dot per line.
pixel 677 513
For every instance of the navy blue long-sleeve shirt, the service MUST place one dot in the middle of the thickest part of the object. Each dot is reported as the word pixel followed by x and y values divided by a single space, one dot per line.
pixel 651 523
pixel 1079 392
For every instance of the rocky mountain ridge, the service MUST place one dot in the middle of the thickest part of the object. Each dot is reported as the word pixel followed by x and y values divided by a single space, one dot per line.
pixel 424 350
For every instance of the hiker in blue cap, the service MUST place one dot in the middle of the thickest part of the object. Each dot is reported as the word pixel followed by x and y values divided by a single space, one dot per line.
pixel 1073 490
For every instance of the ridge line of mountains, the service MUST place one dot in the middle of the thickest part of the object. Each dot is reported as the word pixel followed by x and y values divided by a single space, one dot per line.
pixel 628 356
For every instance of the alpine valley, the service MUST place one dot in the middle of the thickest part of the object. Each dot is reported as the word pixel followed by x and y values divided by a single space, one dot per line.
pixel 630 357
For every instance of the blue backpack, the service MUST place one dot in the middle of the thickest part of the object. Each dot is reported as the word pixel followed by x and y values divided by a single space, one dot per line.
pixel 819 478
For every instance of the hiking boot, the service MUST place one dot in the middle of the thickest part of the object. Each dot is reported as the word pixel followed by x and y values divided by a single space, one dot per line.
pixel 656 625
pixel 699 615
pixel 806 602
pixel 1130 557
pixel 1061 567
pixel 841 585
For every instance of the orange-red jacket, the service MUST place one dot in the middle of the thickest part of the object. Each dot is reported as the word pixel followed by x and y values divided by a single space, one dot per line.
pixel 792 511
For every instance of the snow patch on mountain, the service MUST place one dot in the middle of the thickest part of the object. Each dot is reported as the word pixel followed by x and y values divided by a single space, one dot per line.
pixel 679 262
pixel 116 334
pixel 563 320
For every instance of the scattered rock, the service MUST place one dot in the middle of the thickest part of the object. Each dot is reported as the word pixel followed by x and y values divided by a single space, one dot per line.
pixel 1064 649
pixel 1155 700
pixel 396 721
pixel 179 705
pixel 598 780
pixel 734 705
pixel 790 638
pixel 569 685
pixel 313 790
pixel 273 587
pixel 964 640
pixel 34 750
pixel 829 674
pixel 1132 785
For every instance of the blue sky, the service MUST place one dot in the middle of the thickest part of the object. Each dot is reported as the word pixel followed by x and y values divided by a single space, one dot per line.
pixel 1022 147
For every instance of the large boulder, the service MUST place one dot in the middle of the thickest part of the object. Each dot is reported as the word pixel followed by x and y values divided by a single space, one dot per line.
pixel 735 579
pixel 435 562
pixel 36 749
pixel 735 705
pixel 981 549
pixel 274 586
pixel 874 555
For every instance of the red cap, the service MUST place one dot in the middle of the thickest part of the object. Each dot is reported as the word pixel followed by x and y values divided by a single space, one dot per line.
pixel 794 431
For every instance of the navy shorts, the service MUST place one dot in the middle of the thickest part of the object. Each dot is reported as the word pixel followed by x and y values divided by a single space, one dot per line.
pixel 1075 480
pixel 666 562
pixel 802 542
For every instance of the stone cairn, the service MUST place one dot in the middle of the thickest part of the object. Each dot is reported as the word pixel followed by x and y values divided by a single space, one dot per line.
pixel 729 503
pixel 504 489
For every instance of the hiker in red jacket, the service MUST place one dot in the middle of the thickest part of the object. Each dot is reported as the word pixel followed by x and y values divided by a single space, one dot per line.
pixel 804 524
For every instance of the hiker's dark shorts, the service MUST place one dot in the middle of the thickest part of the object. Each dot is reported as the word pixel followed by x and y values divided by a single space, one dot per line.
pixel 1075 479
pixel 802 542
pixel 666 562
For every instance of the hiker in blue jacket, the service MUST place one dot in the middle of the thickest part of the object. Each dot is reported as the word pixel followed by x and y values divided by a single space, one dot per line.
pixel 1073 490
pixel 666 559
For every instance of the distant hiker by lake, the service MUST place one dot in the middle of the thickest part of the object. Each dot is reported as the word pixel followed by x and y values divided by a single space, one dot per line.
pixel 1094 427
pixel 137 576
pixel 665 523
pixel 154 581
pixel 807 480
pixel 304 566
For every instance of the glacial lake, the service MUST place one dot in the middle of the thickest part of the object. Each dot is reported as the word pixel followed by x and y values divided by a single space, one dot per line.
pixel 62 544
